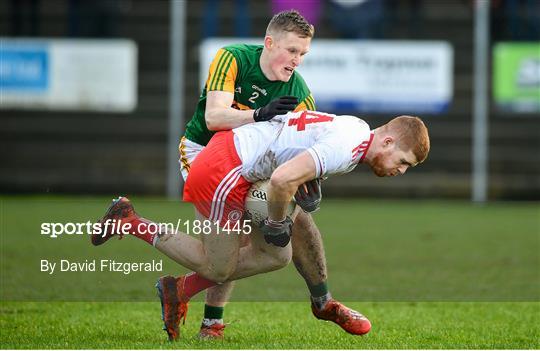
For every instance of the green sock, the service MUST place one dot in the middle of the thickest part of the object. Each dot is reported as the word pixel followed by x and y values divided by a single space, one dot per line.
pixel 318 290
pixel 213 312
pixel 319 295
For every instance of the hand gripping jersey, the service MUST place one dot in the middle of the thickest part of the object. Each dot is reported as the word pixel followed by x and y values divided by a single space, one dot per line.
pixel 236 69
pixel 336 143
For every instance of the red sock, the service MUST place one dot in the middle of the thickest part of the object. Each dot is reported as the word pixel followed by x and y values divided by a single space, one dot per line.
pixel 140 229
pixel 195 283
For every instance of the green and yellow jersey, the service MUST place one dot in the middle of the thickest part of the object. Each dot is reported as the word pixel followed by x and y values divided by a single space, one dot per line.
pixel 236 69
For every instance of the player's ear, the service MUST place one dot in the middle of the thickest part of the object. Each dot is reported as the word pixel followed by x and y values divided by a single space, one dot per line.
pixel 388 141
pixel 268 42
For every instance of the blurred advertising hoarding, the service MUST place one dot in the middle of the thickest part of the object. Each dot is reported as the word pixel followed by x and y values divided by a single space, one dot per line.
pixel 369 76
pixel 516 76
pixel 58 74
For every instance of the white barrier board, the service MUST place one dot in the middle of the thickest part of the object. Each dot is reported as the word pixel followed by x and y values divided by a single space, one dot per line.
pixel 369 76
pixel 58 74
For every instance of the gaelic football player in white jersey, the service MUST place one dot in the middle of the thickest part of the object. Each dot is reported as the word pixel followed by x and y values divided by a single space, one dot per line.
pixel 290 150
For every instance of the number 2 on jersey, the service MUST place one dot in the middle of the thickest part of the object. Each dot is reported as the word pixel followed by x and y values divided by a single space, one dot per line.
pixel 301 121
pixel 253 97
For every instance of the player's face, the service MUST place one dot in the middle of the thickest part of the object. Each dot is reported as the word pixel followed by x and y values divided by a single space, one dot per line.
pixel 392 161
pixel 285 54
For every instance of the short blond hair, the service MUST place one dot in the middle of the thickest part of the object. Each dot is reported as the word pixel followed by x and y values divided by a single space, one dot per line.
pixel 411 134
pixel 290 21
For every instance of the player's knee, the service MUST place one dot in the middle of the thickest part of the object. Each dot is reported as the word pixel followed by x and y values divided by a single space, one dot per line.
pixel 282 258
pixel 217 277
pixel 219 274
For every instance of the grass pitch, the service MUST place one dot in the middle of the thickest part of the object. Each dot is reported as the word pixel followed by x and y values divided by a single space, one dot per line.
pixel 259 325
pixel 427 274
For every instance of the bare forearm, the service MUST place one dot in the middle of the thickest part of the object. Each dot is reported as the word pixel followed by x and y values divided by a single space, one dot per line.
pixel 285 181
pixel 227 118
pixel 280 193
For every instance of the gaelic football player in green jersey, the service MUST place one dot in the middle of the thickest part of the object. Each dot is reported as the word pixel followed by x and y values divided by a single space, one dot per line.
pixel 252 83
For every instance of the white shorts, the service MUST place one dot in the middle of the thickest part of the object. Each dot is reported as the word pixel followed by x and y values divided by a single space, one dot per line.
pixel 188 151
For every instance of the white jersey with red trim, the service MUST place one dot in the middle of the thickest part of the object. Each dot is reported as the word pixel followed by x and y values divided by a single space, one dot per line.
pixel 336 143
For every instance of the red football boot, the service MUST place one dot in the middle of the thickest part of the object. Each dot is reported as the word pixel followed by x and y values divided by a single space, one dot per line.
pixel 120 211
pixel 174 304
pixel 350 320
pixel 214 331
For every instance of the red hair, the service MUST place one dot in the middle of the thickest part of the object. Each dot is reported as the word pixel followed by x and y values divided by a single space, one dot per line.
pixel 411 134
